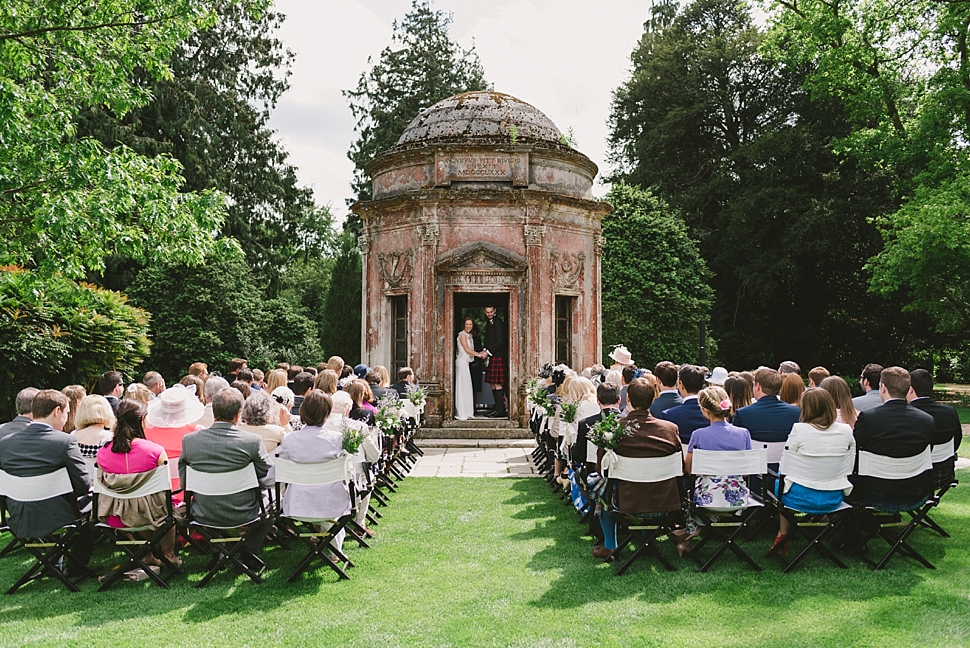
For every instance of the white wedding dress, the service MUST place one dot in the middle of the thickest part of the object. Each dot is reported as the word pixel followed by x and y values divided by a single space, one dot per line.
pixel 464 396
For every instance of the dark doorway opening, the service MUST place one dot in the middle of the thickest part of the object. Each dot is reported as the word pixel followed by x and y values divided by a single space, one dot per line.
pixel 473 305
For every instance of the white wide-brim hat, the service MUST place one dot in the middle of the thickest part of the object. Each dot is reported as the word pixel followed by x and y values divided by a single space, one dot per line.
pixel 175 407
pixel 284 396
pixel 718 376
pixel 622 356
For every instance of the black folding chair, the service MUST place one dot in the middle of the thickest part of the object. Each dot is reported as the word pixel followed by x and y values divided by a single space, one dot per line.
pixel 888 524
pixel 227 547
pixel 129 539
pixel 53 551
pixel 815 528
pixel 717 521
pixel 320 543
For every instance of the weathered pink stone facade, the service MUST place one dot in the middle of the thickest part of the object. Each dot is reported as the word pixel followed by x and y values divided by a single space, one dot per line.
pixel 481 196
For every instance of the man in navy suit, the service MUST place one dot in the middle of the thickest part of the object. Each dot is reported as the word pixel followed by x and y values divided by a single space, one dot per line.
pixel 894 429
pixel 947 423
pixel 688 415
pixel 768 419
pixel 666 373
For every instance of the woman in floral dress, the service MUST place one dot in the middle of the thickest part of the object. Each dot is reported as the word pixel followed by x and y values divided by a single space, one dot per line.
pixel 722 491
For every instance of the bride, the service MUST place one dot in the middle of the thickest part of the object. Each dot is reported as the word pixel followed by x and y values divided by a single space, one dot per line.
pixel 464 396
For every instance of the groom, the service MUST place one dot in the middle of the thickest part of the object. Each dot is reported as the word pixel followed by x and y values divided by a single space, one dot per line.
pixel 496 337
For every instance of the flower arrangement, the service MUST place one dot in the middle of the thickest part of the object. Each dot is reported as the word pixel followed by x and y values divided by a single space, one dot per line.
pixel 388 417
pixel 353 437
pixel 607 432
pixel 567 410
pixel 415 394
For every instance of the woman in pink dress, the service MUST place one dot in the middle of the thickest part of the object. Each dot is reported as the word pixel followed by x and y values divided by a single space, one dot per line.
pixel 129 452
pixel 170 417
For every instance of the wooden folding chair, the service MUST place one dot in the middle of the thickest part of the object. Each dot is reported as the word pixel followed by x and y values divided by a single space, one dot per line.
pixel 228 548
pixel 815 528
pixel 319 543
pixel 129 540
pixel 889 525
pixel 54 550
pixel 641 529
pixel 716 520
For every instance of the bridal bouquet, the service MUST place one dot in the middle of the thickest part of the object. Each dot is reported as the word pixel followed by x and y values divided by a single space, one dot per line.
pixel 388 417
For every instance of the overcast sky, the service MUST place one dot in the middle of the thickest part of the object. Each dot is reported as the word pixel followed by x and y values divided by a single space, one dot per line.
pixel 564 57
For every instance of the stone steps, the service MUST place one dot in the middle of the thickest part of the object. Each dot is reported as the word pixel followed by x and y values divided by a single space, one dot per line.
pixel 474 432
pixel 487 444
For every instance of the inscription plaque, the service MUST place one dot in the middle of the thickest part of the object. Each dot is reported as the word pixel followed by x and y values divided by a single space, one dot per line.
pixel 483 167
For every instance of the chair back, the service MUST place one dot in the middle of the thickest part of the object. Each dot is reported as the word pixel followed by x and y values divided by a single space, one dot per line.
pixel 816 468
pixel 313 474
pixel 227 483
pixel 409 409
pixel 775 449
pixel 36 488
pixel 91 464
pixel 159 482
pixel 883 467
pixel 647 469
pixel 942 452
pixel 729 462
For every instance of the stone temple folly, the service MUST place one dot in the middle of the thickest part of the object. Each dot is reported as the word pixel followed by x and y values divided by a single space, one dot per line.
pixel 481 202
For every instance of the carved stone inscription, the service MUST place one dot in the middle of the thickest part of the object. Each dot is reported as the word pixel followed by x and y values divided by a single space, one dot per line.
pixel 482 166
pixel 396 268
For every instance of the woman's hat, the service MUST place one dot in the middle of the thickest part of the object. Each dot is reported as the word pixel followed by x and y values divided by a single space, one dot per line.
pixel 718 376
pixel 284 396
pixel 361 370
pixel 622 356
pixel 175 407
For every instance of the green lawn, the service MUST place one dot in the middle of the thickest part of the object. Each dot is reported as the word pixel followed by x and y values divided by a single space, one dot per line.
pixel 497 562
pixel 964 412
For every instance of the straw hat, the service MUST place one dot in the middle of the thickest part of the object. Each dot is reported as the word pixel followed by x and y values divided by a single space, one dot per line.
pixel 175 407
pixel 622 356
pixel 718 376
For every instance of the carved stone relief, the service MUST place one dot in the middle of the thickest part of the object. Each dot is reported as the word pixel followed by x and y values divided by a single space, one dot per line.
pixel 566 269
pixel 429 234
pixel 534 234
pixel 396 268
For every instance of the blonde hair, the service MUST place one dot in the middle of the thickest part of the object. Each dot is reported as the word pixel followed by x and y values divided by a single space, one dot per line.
pixel 94 409
pixel 138 392
pixel 715 402
pixel 385 376
pixel 326 381
pixel 275 378
pixel 580 389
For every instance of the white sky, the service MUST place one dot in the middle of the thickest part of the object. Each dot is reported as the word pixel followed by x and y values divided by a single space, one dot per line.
pixel 565 57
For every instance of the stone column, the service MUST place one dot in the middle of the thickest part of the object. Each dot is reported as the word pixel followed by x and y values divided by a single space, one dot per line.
pixel 364 241
pixel 597 300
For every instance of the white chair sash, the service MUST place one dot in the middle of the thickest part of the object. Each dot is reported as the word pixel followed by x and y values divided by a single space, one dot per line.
pixel 645 469
pixel 314 474
pixel 729 462
pixel 36 488
pixel 568 431
pixel 943 451
pixel 227 483
pixel 410 411
pixel 91 463
pixel 827 473
pixel 883 467
pixel 160 481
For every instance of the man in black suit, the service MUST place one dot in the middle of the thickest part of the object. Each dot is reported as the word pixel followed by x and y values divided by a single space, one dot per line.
pixel 688 415
pixel 24 402
pixel 945 417
pixel 584 453
pixel 111 385
pixel 894 429
pixel 39 449
pixel 405 377
pixel 666 373
pixel 496 340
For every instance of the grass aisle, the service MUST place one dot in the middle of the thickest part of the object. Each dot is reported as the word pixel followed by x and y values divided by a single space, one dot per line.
pixel 495 562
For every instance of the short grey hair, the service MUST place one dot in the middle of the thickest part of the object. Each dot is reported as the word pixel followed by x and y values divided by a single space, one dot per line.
pixel 226 404
pixel 259 409
pixel 213 386
pixel 25 400
pixel 152 379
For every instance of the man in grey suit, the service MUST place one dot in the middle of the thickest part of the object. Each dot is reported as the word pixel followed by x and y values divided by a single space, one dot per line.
pixel 870 384
pixel 39 449
pixel 24 402
pixel 225 448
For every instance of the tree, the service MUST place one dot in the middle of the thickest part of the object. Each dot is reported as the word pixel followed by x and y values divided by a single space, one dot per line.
pixel 420 67
pixel 65 201
pixel 729 139
pixel 341 319
pixel 655 292
pixel 211 115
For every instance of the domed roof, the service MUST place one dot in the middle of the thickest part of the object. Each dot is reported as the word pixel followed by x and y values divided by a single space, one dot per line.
pixel 480 117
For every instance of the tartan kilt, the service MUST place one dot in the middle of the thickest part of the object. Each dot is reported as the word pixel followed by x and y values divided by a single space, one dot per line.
pixel 495 372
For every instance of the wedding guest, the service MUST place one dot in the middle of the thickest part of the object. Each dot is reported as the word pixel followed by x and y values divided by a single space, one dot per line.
pixel 23 403
pixel 816 375
pixel 792 388
pixel 275 378
pixel 171 417
pixel 666 373
pixel 242 387
pixel 739 393
pixel 199 369
pixel 721 490
pixel 357 390
pixel 197 383
pixel 138 392
pixel 213 386
pixel 260 416
pixel 74 395
pixel 839 390
pixel 94 419
pixel 326 381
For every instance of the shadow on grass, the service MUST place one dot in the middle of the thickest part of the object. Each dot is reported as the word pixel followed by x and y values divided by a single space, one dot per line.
pixel 584 579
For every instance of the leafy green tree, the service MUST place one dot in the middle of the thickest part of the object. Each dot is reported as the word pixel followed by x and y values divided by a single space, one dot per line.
pixel 655 292
pixel 66 202
pixel 56 332
pixel 341 319
pixel 420 67
pixel 211 115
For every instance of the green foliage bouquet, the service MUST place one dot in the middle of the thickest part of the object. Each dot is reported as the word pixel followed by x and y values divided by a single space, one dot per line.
pixel 416 395
pixel 353 437
pixel 388 417
pixel 607 432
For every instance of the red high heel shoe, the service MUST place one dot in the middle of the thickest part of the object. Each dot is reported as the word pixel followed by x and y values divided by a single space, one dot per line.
pixel 780 546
